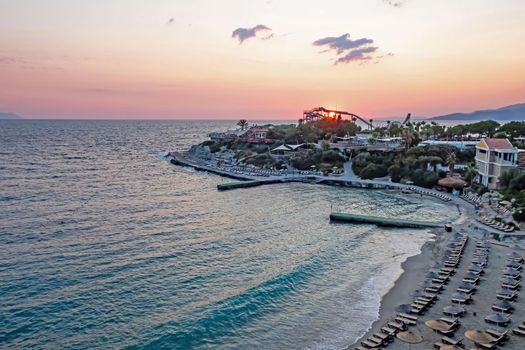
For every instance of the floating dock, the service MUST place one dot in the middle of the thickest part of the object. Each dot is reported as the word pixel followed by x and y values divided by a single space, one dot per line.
pixel 382 221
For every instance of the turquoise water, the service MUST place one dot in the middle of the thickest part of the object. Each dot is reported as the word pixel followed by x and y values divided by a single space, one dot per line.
pixel 106 245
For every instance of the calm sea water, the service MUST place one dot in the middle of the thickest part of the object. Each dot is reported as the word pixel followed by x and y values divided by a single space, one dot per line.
pixel 106 245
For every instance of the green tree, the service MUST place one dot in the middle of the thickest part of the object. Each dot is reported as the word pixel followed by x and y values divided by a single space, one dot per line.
pixel 395 172
pixel 513 129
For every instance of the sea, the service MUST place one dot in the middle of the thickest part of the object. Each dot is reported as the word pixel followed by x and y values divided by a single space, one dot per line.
pixel 106 245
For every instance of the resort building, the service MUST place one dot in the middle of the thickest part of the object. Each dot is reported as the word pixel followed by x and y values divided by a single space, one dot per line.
pixel 256 134
pixel 521 159
pixel 460 145
pixel 493 158
pixel 228 134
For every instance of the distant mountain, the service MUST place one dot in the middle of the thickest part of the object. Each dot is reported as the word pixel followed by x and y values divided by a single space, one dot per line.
pixel 9 116
pixel 509 113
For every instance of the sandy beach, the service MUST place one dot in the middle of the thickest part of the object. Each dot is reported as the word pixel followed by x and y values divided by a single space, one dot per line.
pixel 415 270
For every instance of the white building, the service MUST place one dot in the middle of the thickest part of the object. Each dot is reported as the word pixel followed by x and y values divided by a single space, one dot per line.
pixel 493 158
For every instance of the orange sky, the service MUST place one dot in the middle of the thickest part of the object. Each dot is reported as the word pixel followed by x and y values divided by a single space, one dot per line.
pixel 178 59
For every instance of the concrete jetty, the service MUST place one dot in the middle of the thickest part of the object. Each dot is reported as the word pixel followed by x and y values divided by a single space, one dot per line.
pixel 383 221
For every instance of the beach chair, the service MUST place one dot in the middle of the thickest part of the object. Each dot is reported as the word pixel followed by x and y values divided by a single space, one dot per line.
pixel 488 346
pixel 410 317
pixel 433 289
pixel 377 340
pixel 508 297
pixel 369 344
pixel 397 325
pixel 389 330
pixel 406 321
pixel 519 332
pixel 510 286
pixel 440 280
pixel 386 338
pixel 471 280
pixel 451 321
pixel 450 341
pixel 500 336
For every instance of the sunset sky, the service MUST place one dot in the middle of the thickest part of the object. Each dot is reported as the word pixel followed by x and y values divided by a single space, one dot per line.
pixel 258 59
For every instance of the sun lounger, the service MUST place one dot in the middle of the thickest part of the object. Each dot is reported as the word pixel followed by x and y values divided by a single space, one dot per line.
pixel 405 321
pixel 410 317
pixel 508 297
pixel 440 280
pixel 386 338
pixel 519 332
pixel 369 344
pixel 417 311
pixel 433 289
pixel 450 341
pixel 471 280
pixel 450 321
pixel 377 340
pixel 397 325
pixel 438 345
pixel 389 330
pixel 500 336
pixel 510 286
pixel 488 346
pixel 426 299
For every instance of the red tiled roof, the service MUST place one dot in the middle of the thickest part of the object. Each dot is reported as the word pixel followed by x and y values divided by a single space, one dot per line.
pixel 499 143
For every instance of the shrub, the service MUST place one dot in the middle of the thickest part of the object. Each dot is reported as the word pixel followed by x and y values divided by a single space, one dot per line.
pixel 372 171
pixel 519 215
pixel 396 173
pixel 331 157
pixel 215 147
pixel 424 178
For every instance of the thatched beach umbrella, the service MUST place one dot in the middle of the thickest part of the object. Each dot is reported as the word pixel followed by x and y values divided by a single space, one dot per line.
pixel 409 338
pixel 454 310
pixel 498 319
pixel 510 281
pixel 404 308
pixel 437 325
pixel 452 182
pixel 514 265
pixel 470 275
pixel 504 305
pixel 479 337
pixel 450 347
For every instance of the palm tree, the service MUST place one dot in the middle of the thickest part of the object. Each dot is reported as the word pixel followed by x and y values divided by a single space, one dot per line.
pixel 451 161
pixel 471 172
pixel 408 136
pixel 243 123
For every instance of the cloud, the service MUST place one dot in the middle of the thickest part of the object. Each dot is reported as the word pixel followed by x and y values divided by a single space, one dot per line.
pixel 243 34
pixel 347 50
pixel 395 3
pixel 12 60
pixel 342 43
pixel 362 54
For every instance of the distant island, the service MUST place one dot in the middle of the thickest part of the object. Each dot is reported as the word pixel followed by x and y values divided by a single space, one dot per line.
pixel 9 116
pixel 508 113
